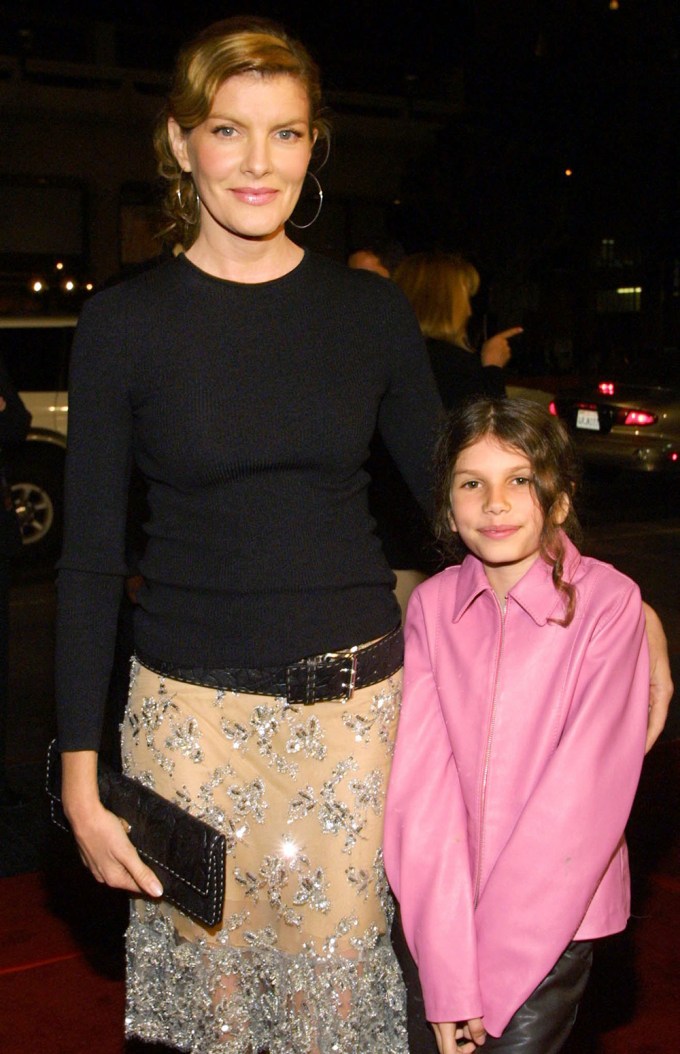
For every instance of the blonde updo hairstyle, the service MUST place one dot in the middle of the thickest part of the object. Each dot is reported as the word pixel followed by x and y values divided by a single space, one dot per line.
pixel 224 49
pixel 439 286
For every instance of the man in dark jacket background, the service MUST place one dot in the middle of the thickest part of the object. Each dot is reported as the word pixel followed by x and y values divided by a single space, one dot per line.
pixel 15 421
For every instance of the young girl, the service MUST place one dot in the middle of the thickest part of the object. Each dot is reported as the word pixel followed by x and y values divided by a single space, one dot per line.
pixel 520 742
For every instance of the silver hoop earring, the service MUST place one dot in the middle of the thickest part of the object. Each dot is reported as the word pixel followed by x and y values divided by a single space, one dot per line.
pixel 303 226
pixel 190 221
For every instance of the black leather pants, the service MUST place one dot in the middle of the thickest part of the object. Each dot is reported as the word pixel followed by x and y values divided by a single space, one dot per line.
pixel 543 1023
pixel 540 1026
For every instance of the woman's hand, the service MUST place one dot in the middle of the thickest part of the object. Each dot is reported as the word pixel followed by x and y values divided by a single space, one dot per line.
pixel 461 1037
pixel 100 835
pixel 660 682
pixel 496 350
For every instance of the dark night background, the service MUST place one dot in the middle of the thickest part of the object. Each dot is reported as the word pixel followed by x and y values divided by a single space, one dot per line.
pixel 491 102
pixel 455 122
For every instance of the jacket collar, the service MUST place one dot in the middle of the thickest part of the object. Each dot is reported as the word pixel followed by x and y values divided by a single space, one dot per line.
pixel 534 592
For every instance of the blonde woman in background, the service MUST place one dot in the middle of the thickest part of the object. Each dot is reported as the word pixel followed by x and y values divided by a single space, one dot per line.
pixel 440 287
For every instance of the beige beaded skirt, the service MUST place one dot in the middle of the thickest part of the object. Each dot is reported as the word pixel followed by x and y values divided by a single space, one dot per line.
pixel 302 961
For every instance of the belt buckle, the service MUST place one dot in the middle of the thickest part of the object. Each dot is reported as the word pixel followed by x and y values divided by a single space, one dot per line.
pixel 301 678
pixel 351 670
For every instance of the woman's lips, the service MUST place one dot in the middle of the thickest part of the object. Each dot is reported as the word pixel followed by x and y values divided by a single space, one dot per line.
pixel 255 195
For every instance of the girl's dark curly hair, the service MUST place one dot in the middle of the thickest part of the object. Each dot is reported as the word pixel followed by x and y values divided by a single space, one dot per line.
pixel 543 439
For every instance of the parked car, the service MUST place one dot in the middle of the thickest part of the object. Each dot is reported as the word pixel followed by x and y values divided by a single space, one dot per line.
pixel 36 354
pixel 629 419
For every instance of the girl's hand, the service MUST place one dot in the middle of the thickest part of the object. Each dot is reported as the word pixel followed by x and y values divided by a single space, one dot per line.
pixel 445 1034
pixel 496 350
pixel 461 1037
pixel 101 836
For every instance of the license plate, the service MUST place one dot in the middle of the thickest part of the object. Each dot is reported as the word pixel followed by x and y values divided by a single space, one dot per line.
pixel 588 419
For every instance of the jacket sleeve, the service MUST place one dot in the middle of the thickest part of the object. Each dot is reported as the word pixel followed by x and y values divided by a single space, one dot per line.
pixel 573 823
pixel 425 844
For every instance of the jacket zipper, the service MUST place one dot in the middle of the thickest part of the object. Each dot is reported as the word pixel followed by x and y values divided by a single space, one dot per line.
pixel 487 754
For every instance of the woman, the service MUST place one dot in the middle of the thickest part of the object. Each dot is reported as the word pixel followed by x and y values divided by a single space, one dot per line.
pixel 440 287
pixel 244 379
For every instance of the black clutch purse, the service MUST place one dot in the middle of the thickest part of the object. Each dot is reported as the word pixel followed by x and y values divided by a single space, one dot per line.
pixel 187 854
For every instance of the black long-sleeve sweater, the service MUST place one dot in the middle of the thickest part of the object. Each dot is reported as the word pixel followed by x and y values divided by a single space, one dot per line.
pixel 249 410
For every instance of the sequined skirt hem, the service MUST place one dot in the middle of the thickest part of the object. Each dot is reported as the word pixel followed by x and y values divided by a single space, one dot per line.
pixel 342 1006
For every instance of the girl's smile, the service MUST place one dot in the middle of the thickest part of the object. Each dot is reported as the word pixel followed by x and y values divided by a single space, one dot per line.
pixel 495 510
pixel 497 532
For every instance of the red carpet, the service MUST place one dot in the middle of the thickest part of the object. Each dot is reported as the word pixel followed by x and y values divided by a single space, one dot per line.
pixel 54 997
pixel 655 1024
pixel 61 957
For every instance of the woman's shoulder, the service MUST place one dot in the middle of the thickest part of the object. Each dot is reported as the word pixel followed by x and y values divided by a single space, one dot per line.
pixel 119 302
pixel 125 316
pixel 159 277
pixel 357 284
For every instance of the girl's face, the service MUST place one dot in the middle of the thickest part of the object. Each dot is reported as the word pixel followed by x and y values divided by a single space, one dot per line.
pixel 495 510
pixel 249 157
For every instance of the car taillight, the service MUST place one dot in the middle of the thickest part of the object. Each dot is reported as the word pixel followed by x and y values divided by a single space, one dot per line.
pixel 553 408
pixel 638 418
pixel 606 388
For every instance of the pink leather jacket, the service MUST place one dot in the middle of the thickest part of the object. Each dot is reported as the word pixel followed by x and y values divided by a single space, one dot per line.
pixel 518 754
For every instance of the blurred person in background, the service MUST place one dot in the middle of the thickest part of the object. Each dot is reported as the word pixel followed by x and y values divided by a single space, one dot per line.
pixel 440 287
pixel 381 257
pixel 15 420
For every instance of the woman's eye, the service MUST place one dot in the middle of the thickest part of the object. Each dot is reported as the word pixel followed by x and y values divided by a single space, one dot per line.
pixel 225 131
pixel 471 484
pixel 288 135
pixel 522 481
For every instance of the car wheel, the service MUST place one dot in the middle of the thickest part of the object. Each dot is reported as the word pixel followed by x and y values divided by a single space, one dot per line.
pixel 36 479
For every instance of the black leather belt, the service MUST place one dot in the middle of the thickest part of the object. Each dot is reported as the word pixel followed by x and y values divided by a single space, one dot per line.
pixel 318 679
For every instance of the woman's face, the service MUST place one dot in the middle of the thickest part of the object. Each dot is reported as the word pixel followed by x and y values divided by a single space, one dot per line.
pixel 248 159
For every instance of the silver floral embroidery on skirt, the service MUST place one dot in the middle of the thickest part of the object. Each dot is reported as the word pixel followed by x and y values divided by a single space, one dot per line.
pixel 302 962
